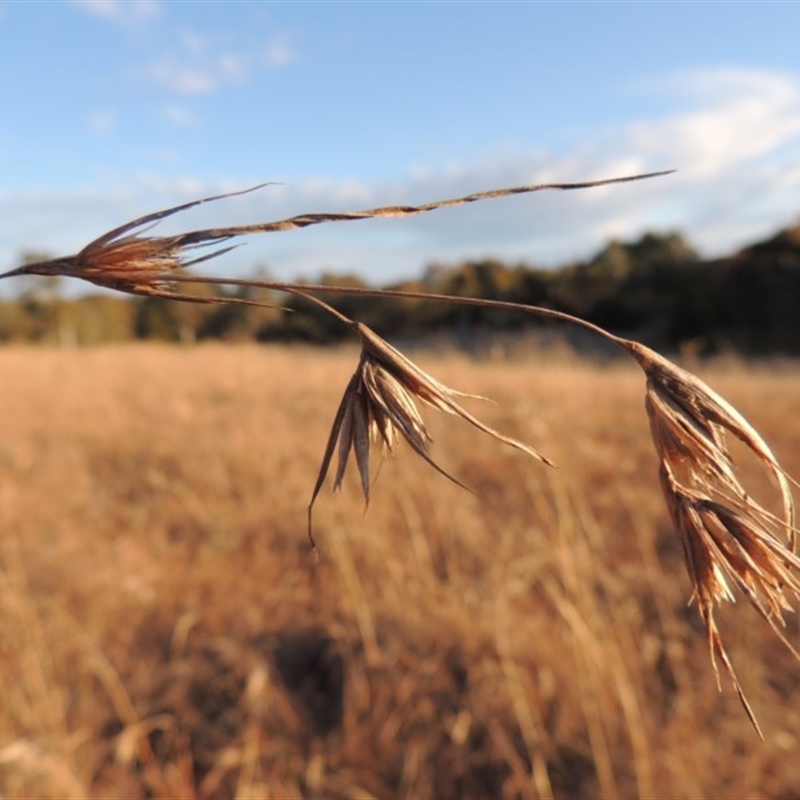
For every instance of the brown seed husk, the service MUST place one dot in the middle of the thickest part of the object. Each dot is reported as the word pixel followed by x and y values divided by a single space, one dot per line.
pixel 729 540
pixel 379 406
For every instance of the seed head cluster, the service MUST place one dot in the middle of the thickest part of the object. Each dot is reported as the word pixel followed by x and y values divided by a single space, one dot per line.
pixel 379 406
pixel 729 540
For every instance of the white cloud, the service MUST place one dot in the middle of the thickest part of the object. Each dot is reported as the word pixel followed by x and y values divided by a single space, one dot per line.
pixel 194 42
pixel 279 53
pixel 198 65
pixel 124 12
pixel 180 116
pixel 737 147
pixel 738 116
pixel 201 76
pixel 182 80
pixel 232 68
pixel 101 122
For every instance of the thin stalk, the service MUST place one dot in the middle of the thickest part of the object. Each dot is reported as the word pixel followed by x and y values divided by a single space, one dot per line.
pixel 304 292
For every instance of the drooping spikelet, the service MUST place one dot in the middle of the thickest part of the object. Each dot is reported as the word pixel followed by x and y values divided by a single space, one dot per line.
pixel 729 540
pixel 379 405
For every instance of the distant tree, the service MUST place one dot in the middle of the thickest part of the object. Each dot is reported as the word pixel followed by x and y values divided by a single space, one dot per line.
pixel 42 303
pixel 237 322
pixel 757 294
pixel 99 319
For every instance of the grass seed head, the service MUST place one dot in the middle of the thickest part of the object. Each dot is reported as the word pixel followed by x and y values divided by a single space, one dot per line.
pixel 379 405
pixel 729 540
pixel 126 260
pixel 704 417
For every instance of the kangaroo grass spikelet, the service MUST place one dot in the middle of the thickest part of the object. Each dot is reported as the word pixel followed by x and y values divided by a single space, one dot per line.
pixel 727 537
pixel 127 261
pixel 378 405
pixel 702 417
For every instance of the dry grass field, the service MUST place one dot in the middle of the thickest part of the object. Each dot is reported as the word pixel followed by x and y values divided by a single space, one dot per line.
pixel 165 631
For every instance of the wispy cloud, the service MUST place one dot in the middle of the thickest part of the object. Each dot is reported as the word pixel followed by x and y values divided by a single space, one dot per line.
pixel 195 71
pixel 180 116
pixel 101 122
pixel 279 52
pixel 737 146
pixel 199 65
pixel 184 80
pixel 124 12
pixel 737 116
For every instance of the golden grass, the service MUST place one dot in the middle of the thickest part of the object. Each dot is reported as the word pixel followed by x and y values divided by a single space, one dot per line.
pixel 166 631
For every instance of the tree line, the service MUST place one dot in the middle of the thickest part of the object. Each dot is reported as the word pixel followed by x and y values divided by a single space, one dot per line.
pixel 656 289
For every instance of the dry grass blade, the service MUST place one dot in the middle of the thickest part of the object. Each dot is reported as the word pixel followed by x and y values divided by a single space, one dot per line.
pixel 379 405
pixel 125 260
pixel 727 537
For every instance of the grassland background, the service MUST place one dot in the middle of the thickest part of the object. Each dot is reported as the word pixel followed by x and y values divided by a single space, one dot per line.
pixel 165 632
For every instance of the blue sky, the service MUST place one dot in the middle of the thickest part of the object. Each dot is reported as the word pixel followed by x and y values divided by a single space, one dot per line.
pixel 113 109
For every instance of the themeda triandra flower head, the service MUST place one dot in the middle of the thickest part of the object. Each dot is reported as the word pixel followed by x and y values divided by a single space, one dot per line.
pixel 729 539
pixel 128 261
pixel 379 405
pixel 689 421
